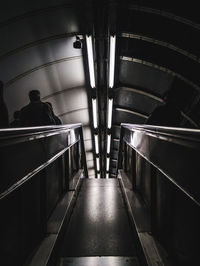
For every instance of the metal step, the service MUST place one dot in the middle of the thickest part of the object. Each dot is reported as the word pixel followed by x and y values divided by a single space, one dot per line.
pixel 99 261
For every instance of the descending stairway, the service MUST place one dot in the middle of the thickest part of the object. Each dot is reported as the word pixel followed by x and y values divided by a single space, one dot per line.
pixel 99 232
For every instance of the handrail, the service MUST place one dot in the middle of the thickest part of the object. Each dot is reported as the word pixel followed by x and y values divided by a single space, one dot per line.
pixel 13 135
pixel 59 138
pixel 173 151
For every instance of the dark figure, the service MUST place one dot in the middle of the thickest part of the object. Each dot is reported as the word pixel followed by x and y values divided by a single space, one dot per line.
pixel 167 114
pixel 4 120
pixel 56 118
pixel 36 113
pixel 16 121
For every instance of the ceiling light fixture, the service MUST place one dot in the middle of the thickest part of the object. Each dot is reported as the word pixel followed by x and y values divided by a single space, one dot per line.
pixel 110 107
pixel 90 60
pixel 98 164
pixel 107 164
pixel 94 112
pixel 108 143
pixel 112 61
pixel 96 140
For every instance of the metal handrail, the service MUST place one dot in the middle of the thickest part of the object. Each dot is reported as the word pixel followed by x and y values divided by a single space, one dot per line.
pixel 10 137
pixel 173 151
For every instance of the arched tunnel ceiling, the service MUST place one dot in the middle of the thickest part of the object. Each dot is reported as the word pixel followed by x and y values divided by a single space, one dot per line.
pixel 36 52
pixel 157 50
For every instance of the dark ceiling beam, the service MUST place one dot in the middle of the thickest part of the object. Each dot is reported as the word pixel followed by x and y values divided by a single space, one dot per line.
pixel 28 72
pixel 101 48
pixel 161 68
pixel 38 42
pixel 139 91
pixel 39 11
pixel 162 13
pixel 124 109
pixel 161 43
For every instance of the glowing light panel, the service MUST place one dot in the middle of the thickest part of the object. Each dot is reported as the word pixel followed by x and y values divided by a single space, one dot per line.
pixel 90 60
pixel 94 112
pixel 108 143
pixel 107 164
pixel 96 140
pixel 112 61
pixel 98 164
pixel 110 107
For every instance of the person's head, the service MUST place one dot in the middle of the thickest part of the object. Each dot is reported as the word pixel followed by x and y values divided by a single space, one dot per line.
pixel 16 115
pixel 34 96
pixel 1 88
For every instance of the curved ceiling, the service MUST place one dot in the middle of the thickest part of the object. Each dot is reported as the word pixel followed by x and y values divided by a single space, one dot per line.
pixel 157 49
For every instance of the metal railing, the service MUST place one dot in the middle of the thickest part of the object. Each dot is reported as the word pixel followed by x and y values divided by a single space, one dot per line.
pixel 160 166
pixel 173 151
pixel 38 165
pixel 60 139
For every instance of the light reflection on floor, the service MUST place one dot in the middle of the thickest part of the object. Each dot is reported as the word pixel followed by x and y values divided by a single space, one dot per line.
pixel 99 261
pixel 96 210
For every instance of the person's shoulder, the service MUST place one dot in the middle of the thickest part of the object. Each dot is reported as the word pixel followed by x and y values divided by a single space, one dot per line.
pixel 46 106
pixel 25 107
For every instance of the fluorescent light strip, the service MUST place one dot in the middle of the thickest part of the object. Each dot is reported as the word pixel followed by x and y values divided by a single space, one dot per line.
pixel 98 164
pixel 90 60
pixel 107 175
pixel 98 176
pixel 107 164
pixel 110 107
pixel 112 61
pixel 96 140
pixel 94 112
pixel 108 143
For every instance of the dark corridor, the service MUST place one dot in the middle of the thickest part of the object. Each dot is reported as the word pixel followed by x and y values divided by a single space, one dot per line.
pixel 123 79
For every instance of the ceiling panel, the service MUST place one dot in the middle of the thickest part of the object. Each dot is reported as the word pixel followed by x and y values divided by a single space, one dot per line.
pixel 21 7
pixel 135 100
pixel 41 25
pixel 136 74
pixel 126 117
pixel 39 55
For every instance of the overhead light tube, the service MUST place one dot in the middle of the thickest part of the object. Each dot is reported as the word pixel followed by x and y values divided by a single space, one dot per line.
pixel 108 143
pixel 90 60
pixel 94 112
pixel 96 140
pixel 98 164
pixel 107 164
pixel 112 61
pixel 110 108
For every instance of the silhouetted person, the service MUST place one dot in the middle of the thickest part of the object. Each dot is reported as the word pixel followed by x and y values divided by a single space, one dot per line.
pixel 4 120
pixel 36 113
pixel 16 121
pixel 56 118
pixel 167 114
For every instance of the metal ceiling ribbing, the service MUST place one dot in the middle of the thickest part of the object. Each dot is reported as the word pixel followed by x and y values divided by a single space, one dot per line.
pixel 36 52
pixel 157 49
